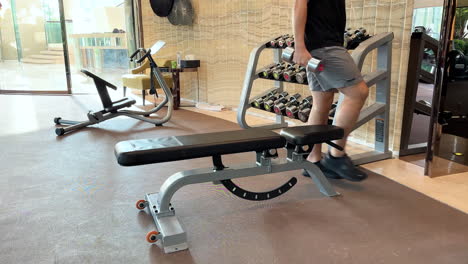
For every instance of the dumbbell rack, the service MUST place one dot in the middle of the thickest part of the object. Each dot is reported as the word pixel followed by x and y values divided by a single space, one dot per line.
pixel 380 110
pixel 250 77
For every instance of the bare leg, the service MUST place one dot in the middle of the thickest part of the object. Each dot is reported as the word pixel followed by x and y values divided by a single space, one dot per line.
pixel 321 105
pixel 348 113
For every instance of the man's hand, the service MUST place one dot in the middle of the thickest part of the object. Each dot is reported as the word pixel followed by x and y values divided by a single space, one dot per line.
pixel 301 56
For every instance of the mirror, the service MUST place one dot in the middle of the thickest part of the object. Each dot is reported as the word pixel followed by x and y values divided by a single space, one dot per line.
pixel 450 136
pixel 435 119
pixel 424 46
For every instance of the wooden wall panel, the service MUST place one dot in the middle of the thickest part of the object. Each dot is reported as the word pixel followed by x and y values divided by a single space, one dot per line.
pixel 225 32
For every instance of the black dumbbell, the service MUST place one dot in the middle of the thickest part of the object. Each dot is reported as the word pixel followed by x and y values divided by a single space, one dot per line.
pixel 290 74
pixel 278 72
pixel 259 102
pixel 290 42
pixel 292 111
pixel 301 76
pixel 348 36
pixel 357 38
pixel 274 97
pixel 269 105
pixel 275 43
pixel 314 65
pixel 286 41
pixel 303 114
pixel 282 43
pixel 280 109
pixel 286 74
pixel 256 103
pixel 267 71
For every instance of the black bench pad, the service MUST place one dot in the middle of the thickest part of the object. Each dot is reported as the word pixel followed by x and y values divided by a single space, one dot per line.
pixel 147 151
pixel 99 79
pixel 309 135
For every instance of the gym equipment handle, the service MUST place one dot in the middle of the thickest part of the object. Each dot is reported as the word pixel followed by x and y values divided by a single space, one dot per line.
pixel 136 52
pixel 144 56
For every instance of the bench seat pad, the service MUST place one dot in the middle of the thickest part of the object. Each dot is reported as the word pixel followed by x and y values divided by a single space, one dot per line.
pixel 314 134
pixel 148 151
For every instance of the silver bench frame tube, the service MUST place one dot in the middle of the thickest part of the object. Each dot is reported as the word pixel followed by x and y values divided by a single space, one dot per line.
pixel 173 237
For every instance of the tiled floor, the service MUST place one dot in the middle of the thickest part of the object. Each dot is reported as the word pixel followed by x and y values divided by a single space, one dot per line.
pixel 79 204
pixel 51 77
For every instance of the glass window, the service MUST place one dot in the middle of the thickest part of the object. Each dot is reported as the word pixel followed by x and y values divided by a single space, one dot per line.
pixel 430 18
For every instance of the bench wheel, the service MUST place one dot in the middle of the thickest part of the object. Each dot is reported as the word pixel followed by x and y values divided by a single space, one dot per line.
pixel 159 125
pixel 152 236
pixel 141 204
pixel 60 131
pixel 57 120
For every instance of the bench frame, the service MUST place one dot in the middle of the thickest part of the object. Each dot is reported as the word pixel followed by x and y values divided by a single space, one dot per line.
pixel 172 236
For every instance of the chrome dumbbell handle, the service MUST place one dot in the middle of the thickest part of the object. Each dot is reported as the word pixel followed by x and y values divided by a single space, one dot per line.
pixel 314 65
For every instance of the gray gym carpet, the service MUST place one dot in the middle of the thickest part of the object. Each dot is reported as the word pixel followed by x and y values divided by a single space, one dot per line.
pixel 66 200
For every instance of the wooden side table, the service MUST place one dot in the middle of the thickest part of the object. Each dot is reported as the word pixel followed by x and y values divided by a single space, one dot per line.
pixel 176 82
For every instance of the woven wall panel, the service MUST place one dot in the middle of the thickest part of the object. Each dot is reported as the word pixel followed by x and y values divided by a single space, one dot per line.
pixel 225 32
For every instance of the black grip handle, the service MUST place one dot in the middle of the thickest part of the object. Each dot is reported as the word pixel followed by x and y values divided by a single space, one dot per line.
pixel 98 79
pixel 136 52
pixel 144 56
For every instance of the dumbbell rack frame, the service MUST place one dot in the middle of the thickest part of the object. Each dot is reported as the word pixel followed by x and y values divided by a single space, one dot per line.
pixel 380 110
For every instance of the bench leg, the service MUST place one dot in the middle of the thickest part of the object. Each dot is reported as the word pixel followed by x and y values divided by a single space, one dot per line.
pixel 320 180
pixel 173 237
pixel 144 95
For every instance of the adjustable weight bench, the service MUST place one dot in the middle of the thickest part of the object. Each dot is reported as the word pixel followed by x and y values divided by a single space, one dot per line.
pixel 298 142
pixel 118 108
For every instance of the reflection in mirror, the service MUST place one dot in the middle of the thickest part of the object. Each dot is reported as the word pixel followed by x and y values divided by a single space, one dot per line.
pixel 452 142
pixel 420 79
pixel 447 144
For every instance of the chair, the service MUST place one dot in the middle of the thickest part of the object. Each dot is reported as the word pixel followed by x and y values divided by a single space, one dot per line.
pixel 139 79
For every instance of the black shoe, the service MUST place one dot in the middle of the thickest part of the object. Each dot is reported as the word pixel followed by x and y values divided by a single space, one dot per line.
pixel 344 167
pixel 328 173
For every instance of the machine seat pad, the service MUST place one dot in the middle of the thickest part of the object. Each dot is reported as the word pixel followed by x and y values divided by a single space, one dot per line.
pixel 313 134
pixel 148 151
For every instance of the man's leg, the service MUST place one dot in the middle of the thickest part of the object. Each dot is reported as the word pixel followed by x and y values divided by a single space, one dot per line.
pixel 348 114
pixel 321 105
pixel 346 117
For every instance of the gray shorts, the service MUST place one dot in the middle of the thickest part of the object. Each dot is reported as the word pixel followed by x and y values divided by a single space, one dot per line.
pixel 340 70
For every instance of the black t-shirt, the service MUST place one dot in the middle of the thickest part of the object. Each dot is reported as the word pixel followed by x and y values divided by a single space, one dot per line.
pixel 326 22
